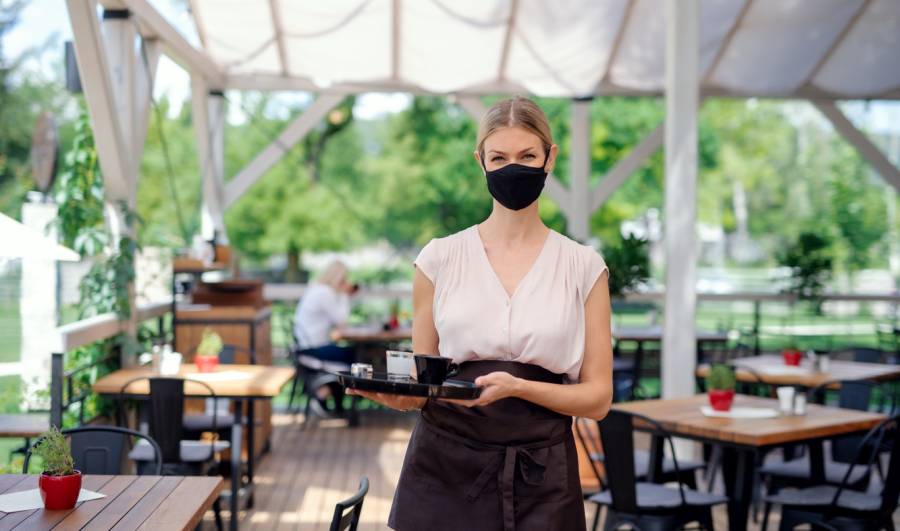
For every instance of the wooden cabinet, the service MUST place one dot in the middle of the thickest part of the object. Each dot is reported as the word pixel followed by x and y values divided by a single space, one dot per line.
pixel 246 327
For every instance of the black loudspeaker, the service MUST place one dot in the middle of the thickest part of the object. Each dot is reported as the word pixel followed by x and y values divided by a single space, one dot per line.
pixel 73 79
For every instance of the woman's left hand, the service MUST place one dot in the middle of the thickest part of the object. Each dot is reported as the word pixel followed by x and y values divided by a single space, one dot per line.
pixel 497 386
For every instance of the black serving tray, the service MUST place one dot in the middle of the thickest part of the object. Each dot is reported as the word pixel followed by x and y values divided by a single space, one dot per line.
pixel 399 385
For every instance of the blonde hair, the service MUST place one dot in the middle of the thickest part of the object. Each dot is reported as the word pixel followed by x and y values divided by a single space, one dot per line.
pixel 517 111
pixel 333 275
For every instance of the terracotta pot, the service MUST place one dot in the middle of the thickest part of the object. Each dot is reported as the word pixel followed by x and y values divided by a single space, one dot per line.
pixel 59 492
pixel 721 399
pixel 792 357
pixel 206 363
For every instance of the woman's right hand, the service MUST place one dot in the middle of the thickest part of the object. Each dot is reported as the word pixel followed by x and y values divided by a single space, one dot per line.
pixel 398 402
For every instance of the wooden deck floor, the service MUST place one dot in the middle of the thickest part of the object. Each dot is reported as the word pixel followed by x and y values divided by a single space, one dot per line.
pixel 308 470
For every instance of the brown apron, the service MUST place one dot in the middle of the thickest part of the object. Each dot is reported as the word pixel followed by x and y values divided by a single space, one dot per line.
pixel 507 466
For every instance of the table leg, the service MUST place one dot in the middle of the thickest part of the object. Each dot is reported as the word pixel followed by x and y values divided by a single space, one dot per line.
pixel 738 467
pixel 816 462
pixel 251 448
pixel 236 472
pixel 654 467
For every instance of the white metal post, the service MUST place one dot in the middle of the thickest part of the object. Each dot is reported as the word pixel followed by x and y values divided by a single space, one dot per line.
pixel 579 211
pixel 682 96
pixel 209 124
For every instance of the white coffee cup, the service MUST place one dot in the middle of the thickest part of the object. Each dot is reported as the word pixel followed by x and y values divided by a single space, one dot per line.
pixel 170 363
pixel 786 399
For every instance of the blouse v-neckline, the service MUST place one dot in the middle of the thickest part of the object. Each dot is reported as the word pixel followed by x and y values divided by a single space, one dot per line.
pixel 487 262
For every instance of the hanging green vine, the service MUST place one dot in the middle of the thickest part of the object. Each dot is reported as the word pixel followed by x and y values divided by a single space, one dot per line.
pixel 105 288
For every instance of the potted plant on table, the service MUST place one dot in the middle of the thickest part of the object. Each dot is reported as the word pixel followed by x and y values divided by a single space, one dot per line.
pixel 207 356
pixel 791 355
pixel 59 483
pixel 721 387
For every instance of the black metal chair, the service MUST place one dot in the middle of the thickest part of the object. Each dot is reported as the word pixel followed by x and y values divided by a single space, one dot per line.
pixel 101 449
pixel 796 472
pixel 686 473
pixel 182 456
pixel 840 507
pixel 646 506
pixel 859 354
pixel 347 512
pixel 166 426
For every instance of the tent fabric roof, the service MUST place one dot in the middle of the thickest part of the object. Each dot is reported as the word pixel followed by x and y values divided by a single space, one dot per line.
pixel 831 49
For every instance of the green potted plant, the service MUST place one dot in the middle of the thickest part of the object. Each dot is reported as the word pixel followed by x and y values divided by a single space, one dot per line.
pixel 207 356
pixel 720 383
pixel 629 265
pixel 59 483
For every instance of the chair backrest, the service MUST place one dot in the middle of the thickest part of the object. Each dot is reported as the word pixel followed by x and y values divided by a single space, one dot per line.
pixel 347 512
pixel 853 394
pixel 860 354
pixel 885 435
pixel 592 446
pixel 166 415
pixel 101 449
pixel 617 436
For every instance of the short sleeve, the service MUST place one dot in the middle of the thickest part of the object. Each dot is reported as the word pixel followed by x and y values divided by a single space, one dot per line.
pixel 594 266
pixel 429 260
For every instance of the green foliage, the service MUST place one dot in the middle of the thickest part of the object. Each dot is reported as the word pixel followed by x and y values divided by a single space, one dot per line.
pixel 210 345
pixel 79 192
pixel 53 449
pixel 809 258
pixel 629 264
pixel 721 377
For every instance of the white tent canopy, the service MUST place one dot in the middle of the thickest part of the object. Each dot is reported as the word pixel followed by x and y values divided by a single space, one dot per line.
pixel 19 241
pixel 840 49
pixel 818 50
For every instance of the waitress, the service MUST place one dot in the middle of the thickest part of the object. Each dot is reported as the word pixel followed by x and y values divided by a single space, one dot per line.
pixel 526 312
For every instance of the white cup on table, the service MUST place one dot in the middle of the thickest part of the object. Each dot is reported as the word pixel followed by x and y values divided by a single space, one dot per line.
pixel 786 396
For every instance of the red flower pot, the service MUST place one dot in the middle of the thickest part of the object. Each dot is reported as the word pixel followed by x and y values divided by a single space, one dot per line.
pixel 720 399
pixel 206 363
pixel 792 357
pixel 60 492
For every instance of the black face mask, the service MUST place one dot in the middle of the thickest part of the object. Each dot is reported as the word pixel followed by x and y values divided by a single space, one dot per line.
pixel 516 186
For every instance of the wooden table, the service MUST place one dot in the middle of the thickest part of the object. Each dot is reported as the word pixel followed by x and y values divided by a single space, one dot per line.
pixel 264 383
pixel 742 439
pixel 132 502
pixel 372 334
pixel 772 370
pixel 24 426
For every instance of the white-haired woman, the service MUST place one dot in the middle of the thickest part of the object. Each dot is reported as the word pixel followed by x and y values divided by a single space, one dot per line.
pixel 526 313
pixel 324 307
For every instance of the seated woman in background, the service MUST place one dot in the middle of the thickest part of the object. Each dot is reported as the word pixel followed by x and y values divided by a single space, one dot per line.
pixel 324 307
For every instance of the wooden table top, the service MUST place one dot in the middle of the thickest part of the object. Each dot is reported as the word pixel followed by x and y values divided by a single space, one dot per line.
pixel 24 426
pixel 131 502
pixel 772 370
pixel 682 417
pixel 655 333
pixel 233 381
pixel 370 334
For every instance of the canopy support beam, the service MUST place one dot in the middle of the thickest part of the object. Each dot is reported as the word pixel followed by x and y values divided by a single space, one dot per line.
pixel 208 111
pixel 578 213
pixel 293 133
pixel 626 167
pixel 153 25
pixel 861 142
pixel 679 355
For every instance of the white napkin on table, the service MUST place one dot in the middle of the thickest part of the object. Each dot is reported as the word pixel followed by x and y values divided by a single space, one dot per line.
pixel 29 500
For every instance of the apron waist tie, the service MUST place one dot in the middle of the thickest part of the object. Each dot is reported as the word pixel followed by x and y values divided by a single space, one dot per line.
pixel 503 468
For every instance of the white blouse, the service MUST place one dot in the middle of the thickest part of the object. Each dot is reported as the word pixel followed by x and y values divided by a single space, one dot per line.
pixel 542 323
